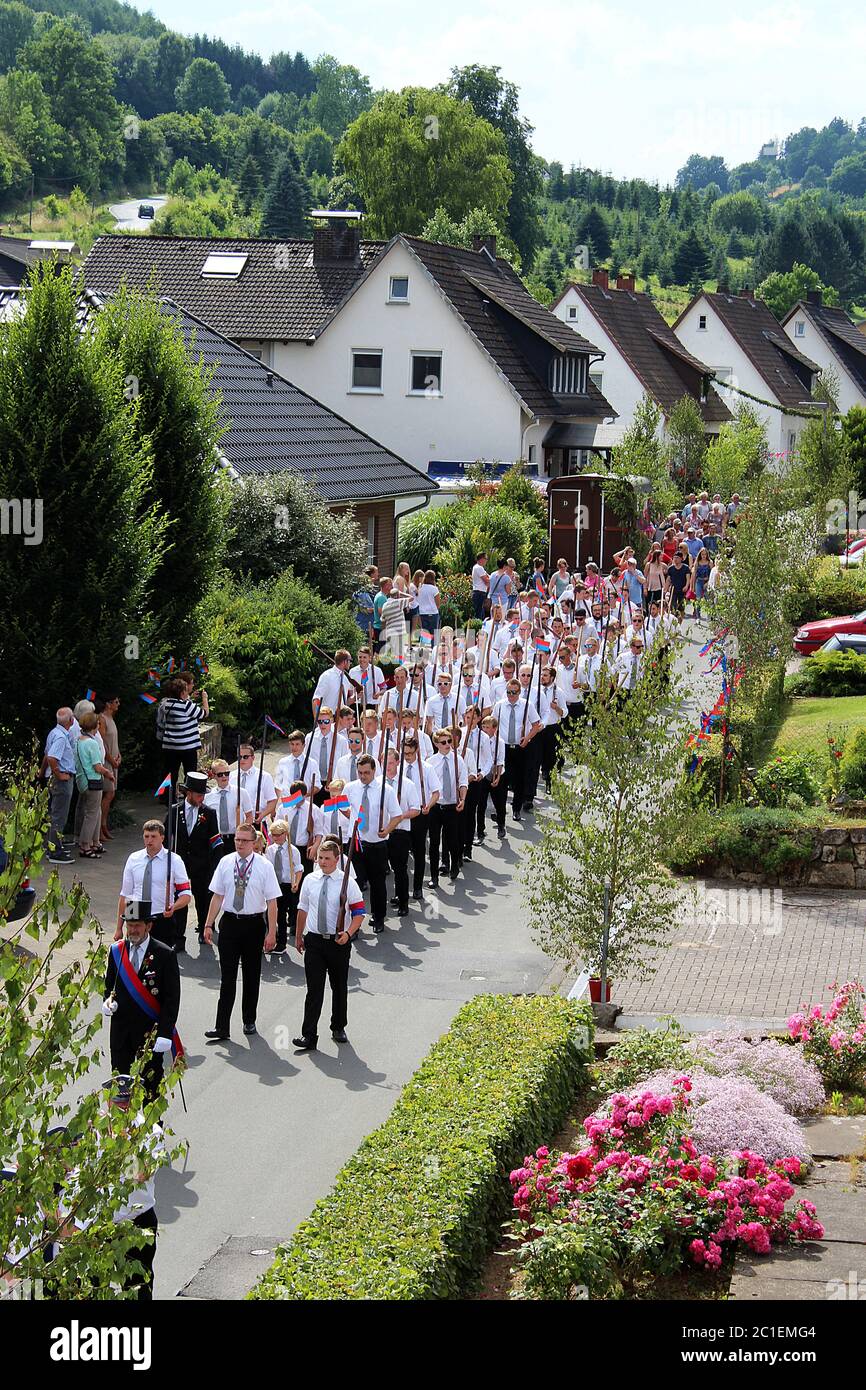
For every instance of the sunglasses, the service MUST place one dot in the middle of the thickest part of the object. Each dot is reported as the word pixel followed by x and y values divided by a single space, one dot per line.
pixel 324 722
pixel 221 774
pixel 246 757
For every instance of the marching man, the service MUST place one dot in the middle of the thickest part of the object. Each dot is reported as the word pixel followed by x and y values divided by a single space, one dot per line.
pixel 142 994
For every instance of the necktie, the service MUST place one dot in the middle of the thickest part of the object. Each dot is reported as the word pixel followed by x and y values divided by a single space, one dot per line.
pixel 512 725
pixel 147 881
pixel 354 768
pixel 281 864
pixel 136 957
pixel 294 831
pixel 224 811
pixel 365 807
pixel 447 781
pixel 241 874
pixel 633 674
pixel 446 713
pixel 322 916
pixel 190 817
pixel 323 759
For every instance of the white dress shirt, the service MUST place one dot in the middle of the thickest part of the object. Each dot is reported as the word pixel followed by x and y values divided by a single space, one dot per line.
pixel 261 885
pixel 484 701
pixel 628 667
pixel 588 670
pixel 550 695
pixel 331 686
pixel 568 679
pixel 431 779
pixel 374 683
pixel 439 704
pixel 378 797
pixel 286 861
pixel 133 878
pixel 409 798
pixel 250 784
pixel 344 770
pixel 502 713
pixel 312 889
pixel 214 798
pixel 289 770
pixel 437 764
pixel 320 751
pixel 299 823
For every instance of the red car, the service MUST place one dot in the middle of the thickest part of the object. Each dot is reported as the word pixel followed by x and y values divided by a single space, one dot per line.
pixel 811 636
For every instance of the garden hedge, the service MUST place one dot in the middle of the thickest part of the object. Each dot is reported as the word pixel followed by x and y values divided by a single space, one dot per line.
pixel 415 1211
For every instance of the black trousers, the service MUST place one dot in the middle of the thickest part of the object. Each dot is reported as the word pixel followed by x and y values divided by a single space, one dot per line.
pixel 515 775
pixel 199 882
pixel 165 928
pixel 240 944
pixel 172 758
pixel 469 815
pixel 325 960
pixel 444 832
pixel 126 1043
pixel 374 858
pixel 550 754
pixel 145 1254
pixel 399 844
pixel 418 830
pixel 533 767
pixel 287 914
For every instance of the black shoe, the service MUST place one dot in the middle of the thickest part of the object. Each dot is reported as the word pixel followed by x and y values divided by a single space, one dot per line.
pixel 378 927
pixel 304 1044
pixel 529 805
pixel 467 854
pixel 418 897
pixel 339 1035
pixel 432 883
pixel 249 1028
pixel 394 902
pixel 455 875
pixel 278 951
pixel 479 839
pixel 214 1034
pixel 60 856
pixel 403 910
pixel 500 832
pixel 518 817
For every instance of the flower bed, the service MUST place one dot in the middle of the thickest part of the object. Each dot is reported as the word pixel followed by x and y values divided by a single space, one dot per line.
pixel 641 1197
pixel 835 1038
pixel 415 1210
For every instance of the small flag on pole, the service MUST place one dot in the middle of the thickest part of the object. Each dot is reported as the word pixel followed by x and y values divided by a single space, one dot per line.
pixel 272 724
pixel 542 644
pixel 289 803
pixel 148 699
pixel 89 694
pixel 365 676
pixel 336 803
pixel 426 639
pixel 170 664
pixel 153 676
pixel 164 785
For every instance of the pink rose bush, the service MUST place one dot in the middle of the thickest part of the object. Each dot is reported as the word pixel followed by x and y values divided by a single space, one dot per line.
pixel 656 1198
pixel 835 1038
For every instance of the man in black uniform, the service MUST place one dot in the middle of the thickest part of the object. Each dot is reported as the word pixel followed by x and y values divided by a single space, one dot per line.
pixel 196 838
pixel 154 986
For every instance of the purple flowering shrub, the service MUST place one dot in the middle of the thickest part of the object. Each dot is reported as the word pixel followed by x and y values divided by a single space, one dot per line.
pixel 776 1068
pixel 729 1113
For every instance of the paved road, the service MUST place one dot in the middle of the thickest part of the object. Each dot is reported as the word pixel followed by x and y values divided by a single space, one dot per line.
pixel 268 1130
pixel 126 214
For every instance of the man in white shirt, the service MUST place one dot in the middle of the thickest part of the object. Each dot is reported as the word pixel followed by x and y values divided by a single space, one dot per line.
pixel 328 921
pixel 323 747
pixel 368 676
pixel 289 870
pixel 224 800
pixel 346 769
pixel 480 585
pixel 400 695
pixel 400 839
pixel 474 692
pixel 590 665
pixel 453 777
pixel 290 767
pixel 333 686
pixel 381 814
pixel 143 882
pixel 306 825
pixel 420 772
pixel 551 709
pixel 629 666
pixel 257 782
pixel 490 765
pixel 518 724
pixel 247 928
pixel 441 707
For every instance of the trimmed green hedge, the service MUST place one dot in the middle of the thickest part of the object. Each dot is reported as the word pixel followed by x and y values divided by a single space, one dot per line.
pixel 416 1209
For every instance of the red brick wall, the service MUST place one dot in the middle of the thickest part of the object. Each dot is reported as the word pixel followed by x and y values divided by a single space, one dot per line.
pixel 383 533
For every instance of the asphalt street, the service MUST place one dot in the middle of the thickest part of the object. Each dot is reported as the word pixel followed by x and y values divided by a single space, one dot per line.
pixel 126 214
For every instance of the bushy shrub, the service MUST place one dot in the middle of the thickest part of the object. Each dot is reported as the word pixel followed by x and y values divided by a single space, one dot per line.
pixel 829 674
pixel 422 535
pixel 225 694
pixel 789 775
pixel 330 625
pixel 758 838
pixel 645 1050
pixel 833 593
pixel 519 493
pixel 852 768
pixel 729 1113
pixel 835 1038
pixel 455 599
pixel 494 530
pixel 413 1213
pixel 776 1068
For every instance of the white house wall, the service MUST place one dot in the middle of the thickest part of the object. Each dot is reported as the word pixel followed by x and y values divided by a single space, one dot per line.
pixel 715 346
pixel 477 416
pixel 619 384
pixel 813 344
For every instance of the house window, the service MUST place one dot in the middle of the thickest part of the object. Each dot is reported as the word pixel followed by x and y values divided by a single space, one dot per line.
pixel 702 322
pixel 366 370
pixel 799 328
pixel 597 378
pixel 398 292
pixel 792 441
pixel 532 453
pixel 572 311
pixel 426 374
pixel 567 374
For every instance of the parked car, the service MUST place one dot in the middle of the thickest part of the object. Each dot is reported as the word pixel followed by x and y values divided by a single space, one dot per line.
pixel 846 642
pixel 26 896
pixel 811 636
pixel 855 554
pixel 146 210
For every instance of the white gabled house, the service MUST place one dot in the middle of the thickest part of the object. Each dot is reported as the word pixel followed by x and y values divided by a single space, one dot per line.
pixel 831 339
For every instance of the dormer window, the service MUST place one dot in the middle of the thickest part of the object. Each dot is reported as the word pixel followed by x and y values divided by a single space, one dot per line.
pixel 567 375
pixel 224 266
pixel 799 328
pixel 398 291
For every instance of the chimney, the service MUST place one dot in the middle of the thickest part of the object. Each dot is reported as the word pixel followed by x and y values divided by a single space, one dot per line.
pixel 600 278
pixel 625 282
pixel 485 243
pixel 815 297
pixel 338 241
pixel 723 287
pixel 746 293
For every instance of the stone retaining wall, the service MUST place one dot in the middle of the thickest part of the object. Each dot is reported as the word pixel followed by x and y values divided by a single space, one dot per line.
pixel 837 860
pixel 211 744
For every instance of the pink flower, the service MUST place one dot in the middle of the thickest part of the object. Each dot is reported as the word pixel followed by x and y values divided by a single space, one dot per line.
pixel 542 1152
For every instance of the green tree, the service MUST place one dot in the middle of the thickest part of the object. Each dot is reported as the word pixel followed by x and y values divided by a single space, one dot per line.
pixel 600 857
pixel 250 184
pixel 342 94
pixel 180 179
pixel 738 211
pixel 82 591
pixel 77 78
pixel 592 230
pixel 640 455
pixel 16 27
pixel 25 112
pixel 690 260
pixel 417 150
pixel 203 85
pixel 49 1041
pixel 854 439
pixel 318 152
pixel 179 417
pixel 686 444
pixel 700 170
pixel 288 200
pixel 279 523
pixel 783 289
pixel 849 176
pixel 497 101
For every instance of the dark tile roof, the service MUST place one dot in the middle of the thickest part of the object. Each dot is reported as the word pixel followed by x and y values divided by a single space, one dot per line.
pixel 770 350
pixel 279 294
pixel 658 359
pixel 467 279
pixel 20 249
pixel 840 334
pixel 275 427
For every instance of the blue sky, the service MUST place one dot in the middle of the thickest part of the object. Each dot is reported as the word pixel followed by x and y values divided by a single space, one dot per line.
pixel 629 88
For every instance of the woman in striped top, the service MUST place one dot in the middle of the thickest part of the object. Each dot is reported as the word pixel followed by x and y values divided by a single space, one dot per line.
pixel 177 724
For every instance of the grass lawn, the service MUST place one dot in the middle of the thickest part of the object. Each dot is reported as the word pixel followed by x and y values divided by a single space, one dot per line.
pixel 806 724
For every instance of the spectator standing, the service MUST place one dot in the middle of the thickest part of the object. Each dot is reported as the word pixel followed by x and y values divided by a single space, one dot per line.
pixel 177 726
pixel 379 602
pixel 480 585
pixel 363 600
pixel 60 757
pixel 89 773
pixel 428 603
pixel 499 588
pixel 106 709
pixel 393 616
